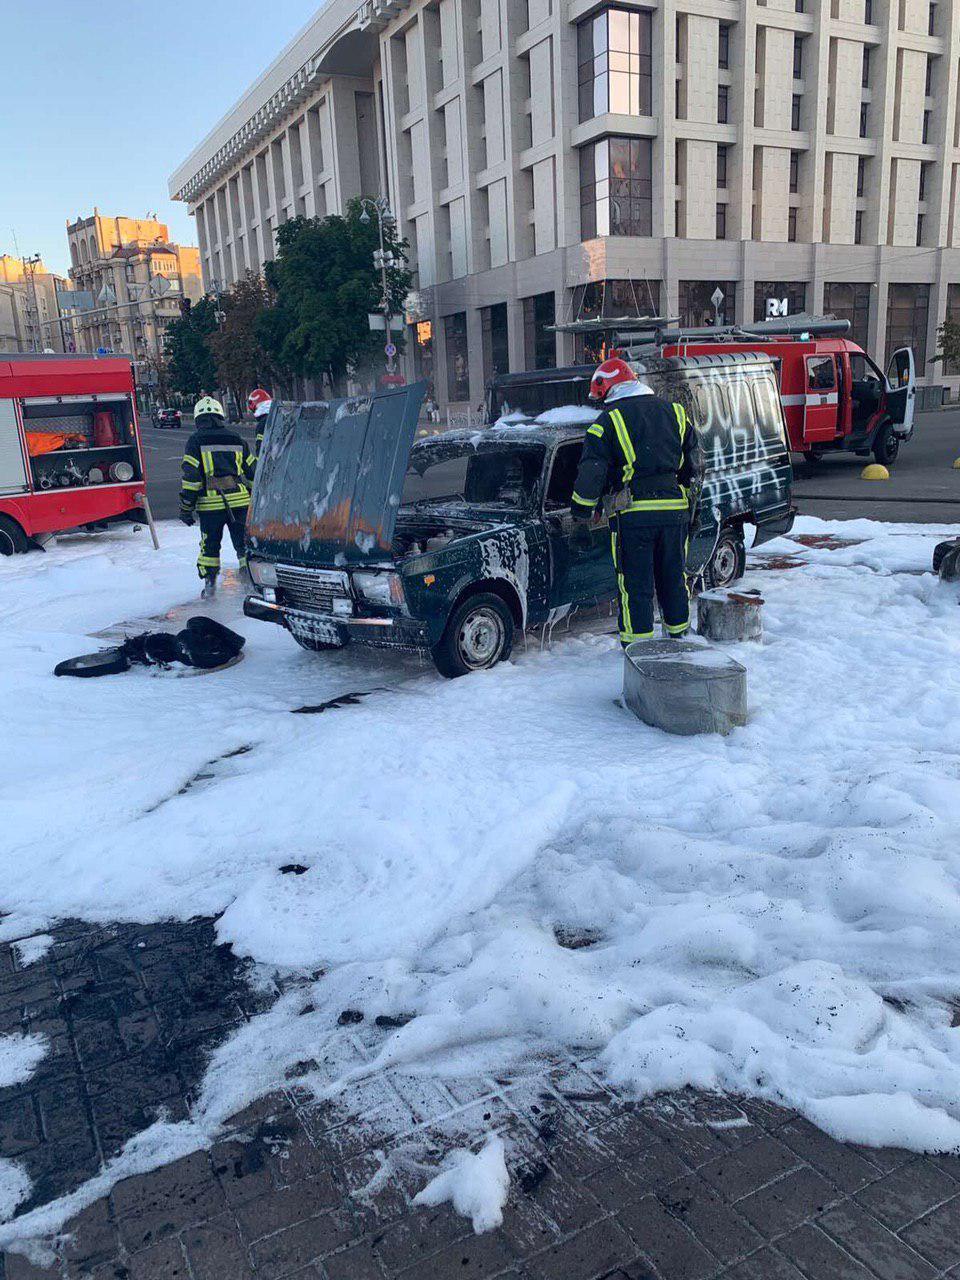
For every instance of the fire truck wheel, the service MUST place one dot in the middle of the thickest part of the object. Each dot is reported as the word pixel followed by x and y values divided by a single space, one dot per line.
pixel 811 457
pixel 729 560
pixel 12 538
pixel 886 446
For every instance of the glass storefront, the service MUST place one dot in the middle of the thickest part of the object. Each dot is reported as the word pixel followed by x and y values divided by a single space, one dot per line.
pixel 540 347
pixel 455 346
pixel 849 302
pixel 615 64
pixel 496 350
pixel 696 302
pixel 908 307
pixel 794 291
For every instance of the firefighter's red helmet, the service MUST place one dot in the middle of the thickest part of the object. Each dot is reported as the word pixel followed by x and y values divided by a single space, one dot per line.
pixel 607 375
pixel 256 399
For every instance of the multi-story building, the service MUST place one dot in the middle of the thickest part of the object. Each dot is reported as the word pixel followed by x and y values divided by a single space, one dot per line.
pixel 137 280
pixel 37 324
pixel 555 159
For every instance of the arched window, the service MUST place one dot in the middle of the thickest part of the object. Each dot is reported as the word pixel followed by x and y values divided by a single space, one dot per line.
pixel 73 253
pixel 83 251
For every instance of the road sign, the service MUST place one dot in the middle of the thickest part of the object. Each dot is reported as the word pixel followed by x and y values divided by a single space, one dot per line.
pixel 716 297
pixel 389 350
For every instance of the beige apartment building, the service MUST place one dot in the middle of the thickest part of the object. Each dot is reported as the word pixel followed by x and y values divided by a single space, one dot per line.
pixel 558 159
pixel 136 280
pixel 30 315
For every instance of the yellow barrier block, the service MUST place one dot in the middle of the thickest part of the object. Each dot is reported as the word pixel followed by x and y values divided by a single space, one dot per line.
pixel 956 464
pixel 875 472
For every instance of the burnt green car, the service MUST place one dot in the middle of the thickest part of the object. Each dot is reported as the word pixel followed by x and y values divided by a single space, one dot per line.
pixel 452 544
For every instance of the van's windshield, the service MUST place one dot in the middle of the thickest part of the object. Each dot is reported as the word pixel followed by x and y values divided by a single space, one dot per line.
pixel 487 474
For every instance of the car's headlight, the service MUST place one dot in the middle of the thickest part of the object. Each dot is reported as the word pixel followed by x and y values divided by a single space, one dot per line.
pixel 380 588
pixel 263 573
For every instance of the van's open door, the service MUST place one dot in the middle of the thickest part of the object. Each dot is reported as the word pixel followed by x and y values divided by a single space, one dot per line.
pixel 901 391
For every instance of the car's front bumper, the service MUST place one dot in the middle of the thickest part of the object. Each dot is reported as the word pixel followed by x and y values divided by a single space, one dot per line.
pixel 380 633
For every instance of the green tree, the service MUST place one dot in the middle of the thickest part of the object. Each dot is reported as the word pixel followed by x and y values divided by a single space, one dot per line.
pixel 948 345
pixel 189 354
pixel 242 363
pixel 325 284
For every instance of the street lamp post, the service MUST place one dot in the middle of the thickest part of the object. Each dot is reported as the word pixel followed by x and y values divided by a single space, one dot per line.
pixel 382 259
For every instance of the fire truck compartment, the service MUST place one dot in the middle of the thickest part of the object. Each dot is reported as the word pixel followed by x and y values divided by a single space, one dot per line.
pixel 76 440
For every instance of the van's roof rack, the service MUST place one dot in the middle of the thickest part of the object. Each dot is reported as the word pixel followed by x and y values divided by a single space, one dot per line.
pixel 795 327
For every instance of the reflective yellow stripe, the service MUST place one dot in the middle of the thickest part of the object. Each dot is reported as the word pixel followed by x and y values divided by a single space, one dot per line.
pixel 627 631
pixel 584 502
pixel 188 457
pixel 658 504
pixel 595 430
pixel 630 636
pixel 681 626
pixel 626 444
pixel 191 484
pixel 681 416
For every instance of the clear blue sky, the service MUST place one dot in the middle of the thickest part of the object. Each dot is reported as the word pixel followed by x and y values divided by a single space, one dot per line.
pixel 100 103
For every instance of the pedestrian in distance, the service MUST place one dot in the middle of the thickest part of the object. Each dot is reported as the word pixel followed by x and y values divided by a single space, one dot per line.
pixel 216 474
pixel 646 450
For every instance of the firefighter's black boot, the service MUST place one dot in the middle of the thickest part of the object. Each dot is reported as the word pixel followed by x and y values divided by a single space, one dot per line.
pixel 209 587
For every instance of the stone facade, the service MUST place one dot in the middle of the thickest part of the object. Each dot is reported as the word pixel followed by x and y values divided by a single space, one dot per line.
pixel 30 318
pixel 533 149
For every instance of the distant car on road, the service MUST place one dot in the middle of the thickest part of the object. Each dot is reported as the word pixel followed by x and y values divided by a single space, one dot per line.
pixel 166 418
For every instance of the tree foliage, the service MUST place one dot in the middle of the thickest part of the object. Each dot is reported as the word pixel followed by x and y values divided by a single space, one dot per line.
pixel 948 344
pixel 325 284
pixel 242 363
pixel 190 361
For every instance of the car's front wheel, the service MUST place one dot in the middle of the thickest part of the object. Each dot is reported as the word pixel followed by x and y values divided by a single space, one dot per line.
pixel 886 446
pixel 478 635
pixel 729 560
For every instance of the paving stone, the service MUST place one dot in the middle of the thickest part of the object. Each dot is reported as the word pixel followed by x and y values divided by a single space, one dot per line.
pixel 665 1242
pixel 738 1173
pixel 908 1192
pixel 474 1258
pixel 359 1262
pixel 844 1165
pixel 595 1251
pixel 93 1239
pixel 17 1267
pixel 783 1205
pixel 766 1264
pixel 284 1251
pixel 887 1255
pixel 283 1208
pixel 717 1225
pixel 163 1261
pixel 242 1170
pixel 815 1254
pixel 215 1250
pixel 419 1236
pixel 937 1234
pixel 158 1204
pixel 19 1130
pixel 695 1144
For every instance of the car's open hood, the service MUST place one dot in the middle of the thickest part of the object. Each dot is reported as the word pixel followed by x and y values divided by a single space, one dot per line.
pixel 330 478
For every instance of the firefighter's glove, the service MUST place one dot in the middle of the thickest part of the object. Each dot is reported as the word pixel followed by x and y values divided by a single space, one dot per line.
pixel 580 539
pixel 188 518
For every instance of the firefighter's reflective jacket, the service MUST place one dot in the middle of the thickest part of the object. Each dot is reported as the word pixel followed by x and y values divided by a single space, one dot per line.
pixel 647 449
pixel 217 471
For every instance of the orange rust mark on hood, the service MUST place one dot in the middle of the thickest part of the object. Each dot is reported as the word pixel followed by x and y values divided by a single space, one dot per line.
pixel 332 526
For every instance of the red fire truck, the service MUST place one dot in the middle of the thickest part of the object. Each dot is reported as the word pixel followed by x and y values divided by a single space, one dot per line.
pixel 834 396
pixel 70 452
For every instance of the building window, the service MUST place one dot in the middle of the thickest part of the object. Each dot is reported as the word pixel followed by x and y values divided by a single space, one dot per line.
pixel 864 118
pixel 696 303
pixel 611 298
pixel 616 188
pixel 795 292
pixel 849 302
pixel 792 224
pixel 868 12
pixel 496 348
pixel 858 227
pixel 922 188
pixel 723 47
pixel 798 6
pixel 926 126
pixel 723 104
pixel 932 21
pixel 458 366
pixel 615 72
pixel 865 77
pixel 861 176
pixel 795 113
pixel 919 229
pixel 928 81
pixel 721 222
pixel 794 172
pixel 539 346
pixel 722 166
pixel 952 316
pixel 798 57
pixel 907 311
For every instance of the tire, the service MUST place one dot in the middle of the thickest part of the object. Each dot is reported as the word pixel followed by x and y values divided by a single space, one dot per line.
pixel 886 446
pixel 942 550
pixel 811 457
pixel 478 635
pixel 728 563
pixel 13 540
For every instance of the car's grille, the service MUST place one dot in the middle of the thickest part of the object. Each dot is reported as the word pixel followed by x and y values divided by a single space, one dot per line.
pixel 312 589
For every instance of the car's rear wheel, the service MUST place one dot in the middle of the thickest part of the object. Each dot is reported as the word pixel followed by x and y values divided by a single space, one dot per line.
pixel 886 446
pixel 13 540
pixel 729 560
pixel 478 635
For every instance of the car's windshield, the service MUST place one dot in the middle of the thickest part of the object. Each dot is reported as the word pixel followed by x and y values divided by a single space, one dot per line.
pixel 483 474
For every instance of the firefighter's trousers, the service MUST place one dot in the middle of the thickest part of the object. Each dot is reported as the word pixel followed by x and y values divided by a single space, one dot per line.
pixel 212 525
pixel 650 558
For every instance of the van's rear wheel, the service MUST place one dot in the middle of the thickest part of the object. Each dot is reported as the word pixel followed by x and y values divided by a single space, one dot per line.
pixel 13 540
pixel 886 446
pixel 728 562
pixel 478 635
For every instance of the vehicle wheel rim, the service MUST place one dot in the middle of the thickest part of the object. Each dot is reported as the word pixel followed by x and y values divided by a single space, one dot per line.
pixel 481 638
pixel 725 563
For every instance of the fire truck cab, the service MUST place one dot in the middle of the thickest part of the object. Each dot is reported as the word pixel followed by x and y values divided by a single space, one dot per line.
pixel 835 398
pixel 70 453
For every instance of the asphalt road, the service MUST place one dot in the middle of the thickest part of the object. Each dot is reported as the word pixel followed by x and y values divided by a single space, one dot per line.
pixel 923 488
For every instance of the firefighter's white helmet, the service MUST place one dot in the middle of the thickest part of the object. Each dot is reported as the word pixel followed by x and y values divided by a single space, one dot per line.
pixel 207 404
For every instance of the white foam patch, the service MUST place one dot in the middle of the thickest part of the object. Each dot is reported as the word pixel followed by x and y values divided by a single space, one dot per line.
pixel 476 1184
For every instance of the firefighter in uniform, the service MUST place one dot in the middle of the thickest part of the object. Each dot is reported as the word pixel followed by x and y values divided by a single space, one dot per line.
pixel 648 449
pixel 215 487
pixel 259 403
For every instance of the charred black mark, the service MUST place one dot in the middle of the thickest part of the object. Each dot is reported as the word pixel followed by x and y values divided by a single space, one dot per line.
pixel 576 939
pixel 293 869
pixel 349 1018
pixel 341 700
pixel 389 1022
pixel 206 773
